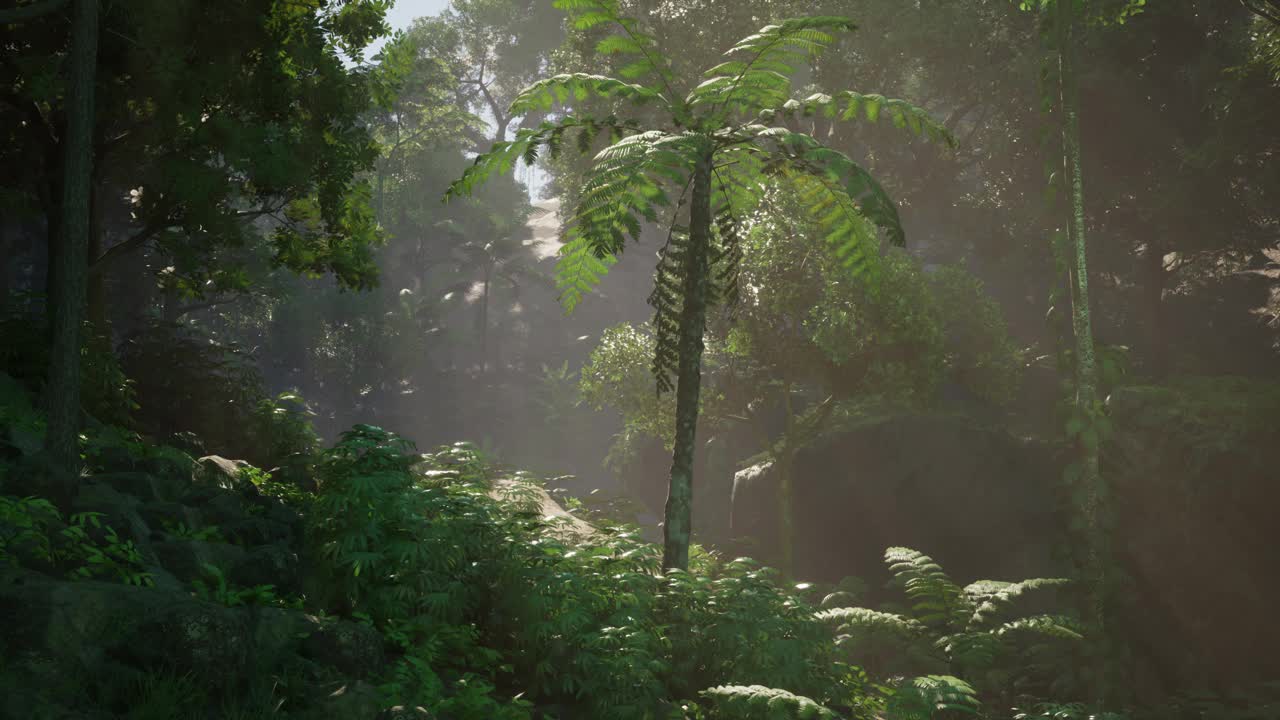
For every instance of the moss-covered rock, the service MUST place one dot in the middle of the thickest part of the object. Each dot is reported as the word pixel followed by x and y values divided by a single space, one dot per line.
pixel 186 559
pixel 352 648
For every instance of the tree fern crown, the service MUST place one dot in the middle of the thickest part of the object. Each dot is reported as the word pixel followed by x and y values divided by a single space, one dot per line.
pixel 643 174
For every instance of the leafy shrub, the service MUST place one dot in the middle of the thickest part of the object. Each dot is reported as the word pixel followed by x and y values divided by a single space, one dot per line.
pixel 106 393
pixel 188 382
pixel 969 631
pixel 480 595
pixel 214 587
pixel 756 701
pixel 32 532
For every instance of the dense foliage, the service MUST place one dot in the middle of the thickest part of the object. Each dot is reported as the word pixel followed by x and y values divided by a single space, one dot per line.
pixel 1034 332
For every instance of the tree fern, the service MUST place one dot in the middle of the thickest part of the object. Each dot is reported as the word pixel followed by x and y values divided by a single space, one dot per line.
pixel 748 702
pixel 967 629
pixel 712 150
pixel 920 697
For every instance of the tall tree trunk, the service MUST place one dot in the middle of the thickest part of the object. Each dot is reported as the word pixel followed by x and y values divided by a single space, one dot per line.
pixel 67 296
pixel 784 464
pixel 678 524
pixel 1090 477
pixel 484 321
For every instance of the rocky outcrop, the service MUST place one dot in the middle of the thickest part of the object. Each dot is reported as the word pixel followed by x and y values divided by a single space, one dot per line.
pixel 1191 466
pixel 975 498
pixel 74 646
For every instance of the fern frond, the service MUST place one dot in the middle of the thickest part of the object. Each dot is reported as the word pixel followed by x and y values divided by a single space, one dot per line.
pixel 866 620
pixel 751 702
pixel 834 167
pixel 666 302
pixel 649 58
pixel 760 76
pixel 920 697
pixel 625 185
pixel 736 190
pixel 990 597
pixel 1055 626
pixel 562 89
pixel 503 156
pixel 937 599
pixel 850 105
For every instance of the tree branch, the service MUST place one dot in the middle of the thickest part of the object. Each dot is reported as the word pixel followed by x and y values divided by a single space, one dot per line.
pixel 115 252
pixel 185 309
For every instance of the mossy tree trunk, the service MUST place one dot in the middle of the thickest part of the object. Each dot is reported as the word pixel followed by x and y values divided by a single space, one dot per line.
pixel 70 276
pixel 677 526
pixel 1088 409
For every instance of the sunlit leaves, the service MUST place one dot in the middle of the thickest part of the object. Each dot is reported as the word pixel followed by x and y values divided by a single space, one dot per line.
pixel 760 75
pixel 565 89
pixel 850 105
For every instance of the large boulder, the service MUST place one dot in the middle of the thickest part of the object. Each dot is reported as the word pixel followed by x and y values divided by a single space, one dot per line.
pixel 977 499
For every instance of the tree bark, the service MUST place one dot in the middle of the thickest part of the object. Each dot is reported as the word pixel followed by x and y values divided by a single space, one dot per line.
pixel 67 296
pixel 786 503
pixel 1086 400
pixel 677 527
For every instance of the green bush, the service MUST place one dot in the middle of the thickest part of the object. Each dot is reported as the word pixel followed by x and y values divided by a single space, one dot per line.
pixel 106 393
pixel 485 603
pixel 188 382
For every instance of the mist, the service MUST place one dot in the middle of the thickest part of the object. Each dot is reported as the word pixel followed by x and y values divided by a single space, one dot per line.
pixel 862 290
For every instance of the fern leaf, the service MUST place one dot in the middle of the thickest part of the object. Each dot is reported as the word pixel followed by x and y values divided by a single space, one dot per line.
pixel 626 184
pixel 1055 626
pixel 850 105
pixel 562 89
pixel 920 697
pixel 833 168
pixel 649 59
pixel 751 702
pixel 504 155
pixel 865 620
pixel 763 78
pixel 990 597
pixel 938 600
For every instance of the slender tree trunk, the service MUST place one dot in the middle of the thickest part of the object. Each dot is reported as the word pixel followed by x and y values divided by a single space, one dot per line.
pixel 677 527
pixel 1086 371
pixel 96 292
pixel 67 296
pixel 786 504
pixel 484 321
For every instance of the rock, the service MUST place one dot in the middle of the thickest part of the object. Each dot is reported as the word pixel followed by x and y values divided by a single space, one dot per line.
pixel 974 498
pixel 185 559
pixel 210 641
pixel 160 516
pixel 119 510
pixel 349 701
pixel 145 486
pixel 277 633
pixel 351 648
pixel 274 564
pixel 401 712
pixel 83 624
pixel 217 471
